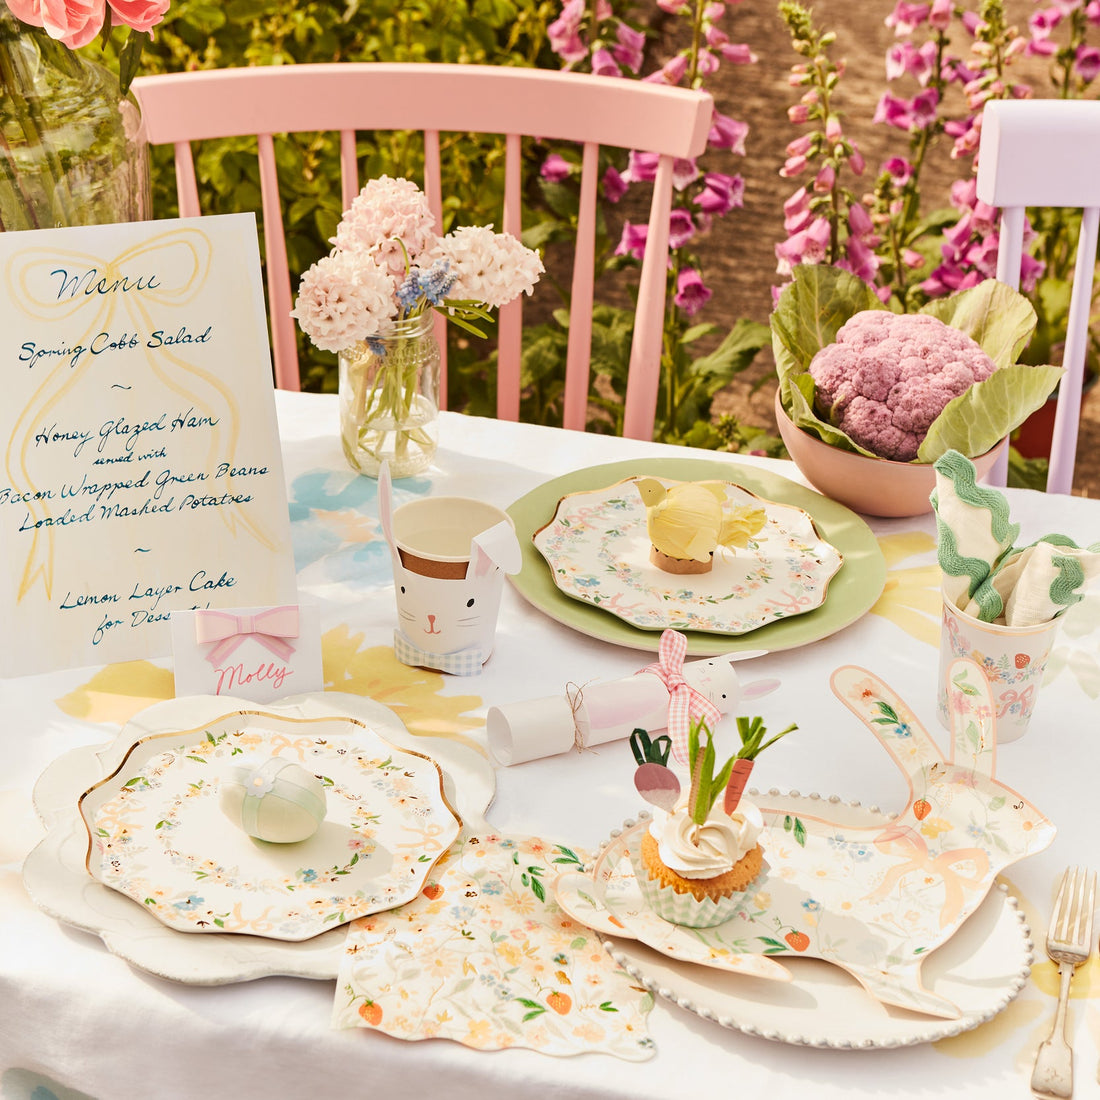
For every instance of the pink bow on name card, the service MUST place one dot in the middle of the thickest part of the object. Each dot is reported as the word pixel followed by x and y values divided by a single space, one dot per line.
pixel 684 701
pixel 270 628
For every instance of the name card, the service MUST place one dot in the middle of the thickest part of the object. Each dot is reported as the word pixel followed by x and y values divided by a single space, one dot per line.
pixel 141 465
pixel 257 653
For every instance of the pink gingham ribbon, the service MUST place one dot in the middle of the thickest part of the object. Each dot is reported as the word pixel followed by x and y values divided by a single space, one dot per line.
pixel 684 701
pixel 227 631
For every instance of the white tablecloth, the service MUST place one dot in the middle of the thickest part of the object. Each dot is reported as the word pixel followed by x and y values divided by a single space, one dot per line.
pixel 76 1020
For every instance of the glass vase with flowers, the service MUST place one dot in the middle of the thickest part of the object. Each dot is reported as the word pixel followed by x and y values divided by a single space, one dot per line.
pixel 371 300
pixel 72 148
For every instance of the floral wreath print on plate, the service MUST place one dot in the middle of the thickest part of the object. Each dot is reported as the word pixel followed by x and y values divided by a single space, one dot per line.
pixel 598 548
pixel 158 834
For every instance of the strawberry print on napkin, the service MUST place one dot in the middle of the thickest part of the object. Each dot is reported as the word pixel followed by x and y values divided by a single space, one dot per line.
pixel 485 956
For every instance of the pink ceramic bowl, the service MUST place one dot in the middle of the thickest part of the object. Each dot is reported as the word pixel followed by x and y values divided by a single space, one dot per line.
pixel 873 486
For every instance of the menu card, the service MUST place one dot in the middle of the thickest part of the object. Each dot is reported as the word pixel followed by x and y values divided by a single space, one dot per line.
pixel 141 464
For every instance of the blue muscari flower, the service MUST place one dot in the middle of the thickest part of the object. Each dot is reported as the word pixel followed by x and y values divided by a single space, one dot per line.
pixel 410 291
pixel 437 281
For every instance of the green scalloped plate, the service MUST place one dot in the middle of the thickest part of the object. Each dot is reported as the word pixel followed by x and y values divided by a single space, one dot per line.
pixel 852 592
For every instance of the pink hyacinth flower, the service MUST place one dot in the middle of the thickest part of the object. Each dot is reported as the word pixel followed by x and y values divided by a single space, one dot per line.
pixel 691 293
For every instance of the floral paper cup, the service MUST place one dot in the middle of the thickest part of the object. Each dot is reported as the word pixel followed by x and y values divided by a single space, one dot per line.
pixel 1012 659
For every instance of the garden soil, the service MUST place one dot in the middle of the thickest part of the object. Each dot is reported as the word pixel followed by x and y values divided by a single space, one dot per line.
pixel 739 257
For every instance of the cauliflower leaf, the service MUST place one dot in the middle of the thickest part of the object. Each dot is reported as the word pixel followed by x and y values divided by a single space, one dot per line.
pixel 997 318
pixel 979 419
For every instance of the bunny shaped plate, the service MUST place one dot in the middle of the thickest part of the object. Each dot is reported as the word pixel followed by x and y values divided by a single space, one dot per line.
pixel 597 548
pixel 870 894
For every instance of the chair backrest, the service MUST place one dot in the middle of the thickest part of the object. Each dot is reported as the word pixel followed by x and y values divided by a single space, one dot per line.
pixel 434 98
pixel 1046 152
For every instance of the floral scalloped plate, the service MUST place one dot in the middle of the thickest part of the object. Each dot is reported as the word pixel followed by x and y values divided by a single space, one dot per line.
pixel 598 552
pixel 158 835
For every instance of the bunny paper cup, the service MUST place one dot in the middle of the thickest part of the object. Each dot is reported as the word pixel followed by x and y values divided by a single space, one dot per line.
pixel 450 556
pixel 1012 659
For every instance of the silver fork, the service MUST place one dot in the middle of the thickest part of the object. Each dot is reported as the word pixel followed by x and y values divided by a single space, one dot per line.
pixel 1069 941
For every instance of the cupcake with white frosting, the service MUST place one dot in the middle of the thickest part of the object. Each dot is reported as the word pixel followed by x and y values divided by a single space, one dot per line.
pixel 701 854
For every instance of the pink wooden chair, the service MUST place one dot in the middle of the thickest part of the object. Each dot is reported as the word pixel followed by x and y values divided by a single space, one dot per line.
pixel 593 111
pixel 1046 152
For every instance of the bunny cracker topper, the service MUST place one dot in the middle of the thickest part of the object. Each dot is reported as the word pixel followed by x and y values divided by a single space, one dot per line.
pixel 595 713
pixel 449 623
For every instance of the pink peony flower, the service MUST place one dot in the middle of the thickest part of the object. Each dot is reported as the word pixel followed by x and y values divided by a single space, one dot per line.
pixel 73 22
pixel 343 299
pixel 140 15
pixel 691 293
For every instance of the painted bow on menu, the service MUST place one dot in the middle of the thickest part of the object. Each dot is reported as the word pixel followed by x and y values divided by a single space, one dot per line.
pixel 227 631
pixel 684 701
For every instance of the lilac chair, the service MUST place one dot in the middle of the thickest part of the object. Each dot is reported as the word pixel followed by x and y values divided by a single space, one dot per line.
pixel 592 111
pixel 1046 152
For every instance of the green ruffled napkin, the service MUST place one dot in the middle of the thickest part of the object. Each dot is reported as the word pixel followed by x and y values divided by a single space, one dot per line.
pixel 984 574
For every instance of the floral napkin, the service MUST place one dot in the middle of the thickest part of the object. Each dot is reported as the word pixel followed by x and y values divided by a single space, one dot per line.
pixel 485 956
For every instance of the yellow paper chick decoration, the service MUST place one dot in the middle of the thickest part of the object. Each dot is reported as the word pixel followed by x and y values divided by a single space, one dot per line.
pixel 690 520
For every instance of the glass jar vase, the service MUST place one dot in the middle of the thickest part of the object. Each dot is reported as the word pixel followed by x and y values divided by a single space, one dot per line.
pixel 74 149
pixel 389 399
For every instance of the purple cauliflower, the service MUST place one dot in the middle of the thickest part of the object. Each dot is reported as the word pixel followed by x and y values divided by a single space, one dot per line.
pixel 889 375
